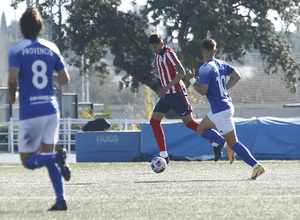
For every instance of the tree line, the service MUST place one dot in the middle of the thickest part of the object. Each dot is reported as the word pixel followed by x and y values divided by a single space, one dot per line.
pixel 93 27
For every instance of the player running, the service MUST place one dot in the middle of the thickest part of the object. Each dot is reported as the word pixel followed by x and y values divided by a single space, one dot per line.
pixel 32 63
pixel 173 95
pixel 213 84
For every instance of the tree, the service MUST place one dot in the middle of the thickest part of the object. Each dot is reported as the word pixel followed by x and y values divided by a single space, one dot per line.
pixel 99 26
pixel 86 34
pixel 237 26
pixel 3 23
pixel 95 26
pixel 8 36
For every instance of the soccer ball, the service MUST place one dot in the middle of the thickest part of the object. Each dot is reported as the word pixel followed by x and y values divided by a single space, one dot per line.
pixel 158 164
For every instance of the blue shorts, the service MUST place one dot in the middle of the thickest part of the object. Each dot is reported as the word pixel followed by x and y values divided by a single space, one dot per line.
pixel 176 101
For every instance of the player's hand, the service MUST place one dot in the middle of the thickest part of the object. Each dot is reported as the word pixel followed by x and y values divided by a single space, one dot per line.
pixel 190 74
pixel 155 72
pixel 162 92
pixel 13 98
pixel 12 101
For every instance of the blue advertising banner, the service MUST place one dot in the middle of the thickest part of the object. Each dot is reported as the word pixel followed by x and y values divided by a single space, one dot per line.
pixel 266 138
pixel 107 146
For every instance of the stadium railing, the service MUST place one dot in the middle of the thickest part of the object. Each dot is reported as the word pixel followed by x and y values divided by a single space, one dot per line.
pixel 68 128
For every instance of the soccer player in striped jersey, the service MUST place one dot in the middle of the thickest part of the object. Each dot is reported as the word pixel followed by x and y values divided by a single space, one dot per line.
pixel 173 95
pixel 32 63
pixel 213 84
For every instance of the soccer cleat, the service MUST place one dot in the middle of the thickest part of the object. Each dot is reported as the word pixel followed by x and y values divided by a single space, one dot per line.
pixel 257 171
pixel 218 152
pixel 231 154
pixel 166 158
pixel 59 206
pixel 61 161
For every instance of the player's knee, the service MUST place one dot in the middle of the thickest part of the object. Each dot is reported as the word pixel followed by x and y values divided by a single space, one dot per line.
pixel 200 130
pixel 154 122
pixel 24 160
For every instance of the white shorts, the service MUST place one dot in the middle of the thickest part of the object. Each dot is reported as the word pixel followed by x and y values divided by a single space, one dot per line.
pixel 223 120
pixel 33 131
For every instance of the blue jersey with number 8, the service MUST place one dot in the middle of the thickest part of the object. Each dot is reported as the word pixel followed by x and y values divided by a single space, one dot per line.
pixel 214 73
pixel 37 59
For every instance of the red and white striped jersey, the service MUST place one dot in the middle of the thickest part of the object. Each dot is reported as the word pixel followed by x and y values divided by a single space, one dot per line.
pixel 165 62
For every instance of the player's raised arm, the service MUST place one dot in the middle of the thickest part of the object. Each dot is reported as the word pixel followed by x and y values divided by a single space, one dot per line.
pixel 200 88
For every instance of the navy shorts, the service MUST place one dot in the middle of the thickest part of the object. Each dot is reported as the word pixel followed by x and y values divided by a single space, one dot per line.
pixel 176 101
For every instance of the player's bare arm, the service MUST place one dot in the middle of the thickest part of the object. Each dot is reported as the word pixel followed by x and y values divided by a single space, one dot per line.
pixel 181 73
pixel 13 83
pixel 62 77
pixel 234 78
pixel 200 88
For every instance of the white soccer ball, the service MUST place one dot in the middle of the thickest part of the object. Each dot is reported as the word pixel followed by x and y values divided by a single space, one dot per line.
pixel 158 164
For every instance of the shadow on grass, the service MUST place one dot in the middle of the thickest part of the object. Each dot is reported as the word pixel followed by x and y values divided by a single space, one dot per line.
pixel 81 184
pixel 188 181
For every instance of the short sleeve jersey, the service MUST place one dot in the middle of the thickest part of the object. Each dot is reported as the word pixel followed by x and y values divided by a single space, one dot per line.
pixel 36 59
pixel 214 73
pixel 165 62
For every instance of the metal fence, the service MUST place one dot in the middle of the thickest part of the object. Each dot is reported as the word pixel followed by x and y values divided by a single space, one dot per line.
pixel 68 128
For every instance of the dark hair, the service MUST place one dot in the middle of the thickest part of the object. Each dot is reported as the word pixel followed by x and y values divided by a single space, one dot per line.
pixel 31 23
pixel 209 44
pixel 155 39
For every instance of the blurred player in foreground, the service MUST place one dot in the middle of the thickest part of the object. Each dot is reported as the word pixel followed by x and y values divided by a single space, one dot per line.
pixel 213 84
pixel 32 63
pixel 173 95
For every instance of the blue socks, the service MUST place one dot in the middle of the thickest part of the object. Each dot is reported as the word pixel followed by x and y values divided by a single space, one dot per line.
pixel 57 181
pixel 214 136
pixel 40 160
pixel 49 160
pixel 244 153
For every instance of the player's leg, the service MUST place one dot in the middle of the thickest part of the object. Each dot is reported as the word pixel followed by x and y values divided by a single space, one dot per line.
pixel 56 170
pixel 243 152
pixel 222 121
pixel 182 107
pixel 30 133
pixel 159 134
pixel 49 139
pixel 226 125
pixel 37 160
pixel 205 130
pixel 56 177
pixel 190 122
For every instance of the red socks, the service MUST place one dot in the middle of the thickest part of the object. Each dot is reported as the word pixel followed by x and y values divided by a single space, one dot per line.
pixel 192 125
pixel 158 134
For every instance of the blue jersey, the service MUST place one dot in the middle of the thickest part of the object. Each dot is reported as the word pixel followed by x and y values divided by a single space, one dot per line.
pixel 214 73
pixel 36 59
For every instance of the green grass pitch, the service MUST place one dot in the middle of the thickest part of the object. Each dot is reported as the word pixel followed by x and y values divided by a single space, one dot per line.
pixel 185 190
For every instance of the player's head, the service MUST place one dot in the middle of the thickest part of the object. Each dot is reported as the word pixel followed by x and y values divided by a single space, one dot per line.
pixel 156 43
pixel 209 46
pixel 31 23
